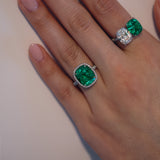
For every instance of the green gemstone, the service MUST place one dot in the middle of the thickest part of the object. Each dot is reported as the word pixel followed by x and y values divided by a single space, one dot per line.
pixel 85 75
pixel 134 27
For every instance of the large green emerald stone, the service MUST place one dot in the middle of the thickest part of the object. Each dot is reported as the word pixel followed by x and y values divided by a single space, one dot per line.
pixel 134 27
pixel 85 75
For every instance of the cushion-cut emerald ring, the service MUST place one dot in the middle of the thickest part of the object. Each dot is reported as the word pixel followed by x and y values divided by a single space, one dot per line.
pixel 125 35
pixel 85 75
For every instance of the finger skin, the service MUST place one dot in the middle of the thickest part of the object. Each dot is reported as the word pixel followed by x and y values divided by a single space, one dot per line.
pixel 109 13
pixel 157 14
pixel 69 96
pixel 83 28
pixel 62 46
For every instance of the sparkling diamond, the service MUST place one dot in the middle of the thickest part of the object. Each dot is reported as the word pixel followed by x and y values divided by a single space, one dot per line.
pixel 85 75
pixel 124 36
pixel 134 27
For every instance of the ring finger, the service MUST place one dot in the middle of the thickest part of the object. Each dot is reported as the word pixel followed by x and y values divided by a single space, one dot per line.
pixel 86 32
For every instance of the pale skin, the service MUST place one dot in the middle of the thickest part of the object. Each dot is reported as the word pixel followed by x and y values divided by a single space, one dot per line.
pixel 119 117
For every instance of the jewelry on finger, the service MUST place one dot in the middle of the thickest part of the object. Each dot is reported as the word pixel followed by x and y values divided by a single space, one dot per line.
pixel 85 75
pixel 125 35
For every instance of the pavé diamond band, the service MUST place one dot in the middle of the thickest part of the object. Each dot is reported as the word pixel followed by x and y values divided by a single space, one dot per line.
pixel 125 35
pixel 85 75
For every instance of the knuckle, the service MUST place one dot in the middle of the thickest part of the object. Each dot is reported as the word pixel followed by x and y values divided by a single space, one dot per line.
pixel 129 81
pixel 103 7
pixel 70 54
pixel 47 72
pixel 66 93
pixel 41 18
pixel 79 21
pixel 47 69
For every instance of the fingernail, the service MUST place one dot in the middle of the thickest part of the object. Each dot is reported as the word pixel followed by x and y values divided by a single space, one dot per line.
pixel 30 5
pixel 36 52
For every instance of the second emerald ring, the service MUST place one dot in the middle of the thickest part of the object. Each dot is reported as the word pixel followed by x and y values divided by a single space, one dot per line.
pixel 125 35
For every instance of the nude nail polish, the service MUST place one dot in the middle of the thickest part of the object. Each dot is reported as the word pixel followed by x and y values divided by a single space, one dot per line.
pixel 30 5
pixel 36 52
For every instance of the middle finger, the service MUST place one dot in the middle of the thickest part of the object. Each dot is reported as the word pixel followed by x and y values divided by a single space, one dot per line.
pixel 92 39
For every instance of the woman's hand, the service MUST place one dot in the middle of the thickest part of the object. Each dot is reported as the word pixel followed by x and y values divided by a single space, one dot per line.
pixel 120 115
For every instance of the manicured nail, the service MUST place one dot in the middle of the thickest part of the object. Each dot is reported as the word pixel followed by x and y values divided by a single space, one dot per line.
pixel 30 5
pixel 36 52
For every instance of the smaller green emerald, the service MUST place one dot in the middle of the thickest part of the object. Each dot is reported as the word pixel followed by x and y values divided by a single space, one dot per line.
pixel 134 27
pixel 85 75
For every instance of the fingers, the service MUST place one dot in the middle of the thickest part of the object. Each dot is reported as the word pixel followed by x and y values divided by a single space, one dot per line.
pixel 63 47
pixel 57 40
pixel 85 31
pixel 157 14
pixel 69 96
pixel 109 13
